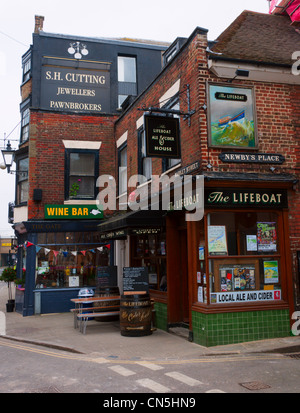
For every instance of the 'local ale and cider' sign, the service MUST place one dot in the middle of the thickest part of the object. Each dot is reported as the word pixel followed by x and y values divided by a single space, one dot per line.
pixel 162 137
pixel 72 212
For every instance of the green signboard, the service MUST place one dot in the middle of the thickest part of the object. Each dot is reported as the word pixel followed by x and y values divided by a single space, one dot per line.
pixel 72 212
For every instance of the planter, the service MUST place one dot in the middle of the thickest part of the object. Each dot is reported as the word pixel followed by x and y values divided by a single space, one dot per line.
pixel 10 306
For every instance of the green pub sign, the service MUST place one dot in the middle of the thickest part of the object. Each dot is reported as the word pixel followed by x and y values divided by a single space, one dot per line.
pixel 72 212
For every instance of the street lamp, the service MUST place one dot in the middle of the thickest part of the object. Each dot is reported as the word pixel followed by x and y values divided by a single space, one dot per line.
pixel 8 156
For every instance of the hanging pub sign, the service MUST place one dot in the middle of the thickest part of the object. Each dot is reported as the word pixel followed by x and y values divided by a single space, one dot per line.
pixel 162 137
pixel 231 116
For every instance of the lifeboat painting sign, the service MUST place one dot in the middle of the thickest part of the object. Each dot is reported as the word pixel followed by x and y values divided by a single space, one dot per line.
pixel 232 122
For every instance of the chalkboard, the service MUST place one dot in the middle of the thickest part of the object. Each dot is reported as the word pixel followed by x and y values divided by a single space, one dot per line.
pixel 107 276
pixel 135 279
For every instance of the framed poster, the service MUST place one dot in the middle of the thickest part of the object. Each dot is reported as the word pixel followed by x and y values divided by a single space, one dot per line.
pixel 231 116
pixel 217 240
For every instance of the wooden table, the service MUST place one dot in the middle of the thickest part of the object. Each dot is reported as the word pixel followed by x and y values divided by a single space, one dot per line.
pixel 84 314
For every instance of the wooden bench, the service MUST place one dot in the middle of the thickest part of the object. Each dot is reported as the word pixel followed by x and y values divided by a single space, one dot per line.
pixel 79 311
pixel 85 317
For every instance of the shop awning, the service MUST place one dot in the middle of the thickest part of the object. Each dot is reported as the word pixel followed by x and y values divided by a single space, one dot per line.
pixel 133 219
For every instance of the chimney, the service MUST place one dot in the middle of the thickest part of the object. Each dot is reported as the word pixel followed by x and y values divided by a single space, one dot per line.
pixel 39 22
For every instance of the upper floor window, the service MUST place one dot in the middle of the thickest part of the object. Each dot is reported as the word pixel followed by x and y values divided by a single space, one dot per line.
pixel 144 163
pixel 127 78
pixel 25 125
pixel 26 69
pixel 22 180
pixel 82 169
pixel 174 105
pixel 122 161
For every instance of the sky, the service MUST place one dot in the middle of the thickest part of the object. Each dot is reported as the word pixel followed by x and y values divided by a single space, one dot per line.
pixel 163 20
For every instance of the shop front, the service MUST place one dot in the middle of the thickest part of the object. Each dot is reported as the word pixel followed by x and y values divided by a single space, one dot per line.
pixel 229 275
pixel 59 258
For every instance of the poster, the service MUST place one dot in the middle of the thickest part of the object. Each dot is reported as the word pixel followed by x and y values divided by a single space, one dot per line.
pixel 266 237
pixel 251 242
pixel 271 273
pixel 232 121
pixel 217 242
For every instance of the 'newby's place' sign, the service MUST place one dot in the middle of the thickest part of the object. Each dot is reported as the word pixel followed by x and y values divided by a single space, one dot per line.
pixel 220 197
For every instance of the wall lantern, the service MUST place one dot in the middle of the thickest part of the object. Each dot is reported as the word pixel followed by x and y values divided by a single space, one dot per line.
pixel 9 156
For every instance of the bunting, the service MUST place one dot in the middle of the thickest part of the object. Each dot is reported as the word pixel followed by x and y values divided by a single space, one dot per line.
pixel 38 248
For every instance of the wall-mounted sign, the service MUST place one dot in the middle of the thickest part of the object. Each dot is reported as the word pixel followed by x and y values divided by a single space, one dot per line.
pixel 117 234
pixel 70 89
pixel 265 158
pixel 186 170
pixel 243 297
pixel 223 197
pixel 162 137
pixel 232 116
pixel 72 212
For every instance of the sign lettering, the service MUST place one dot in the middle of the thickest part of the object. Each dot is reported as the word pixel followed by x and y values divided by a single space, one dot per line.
pixel 72 212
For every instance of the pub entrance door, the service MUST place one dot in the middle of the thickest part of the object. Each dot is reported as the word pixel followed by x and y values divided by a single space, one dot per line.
pixel 177 270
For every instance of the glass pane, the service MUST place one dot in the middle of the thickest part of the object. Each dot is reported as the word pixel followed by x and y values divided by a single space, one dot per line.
pixel 82 187
pixel 126 69
pixel 82 164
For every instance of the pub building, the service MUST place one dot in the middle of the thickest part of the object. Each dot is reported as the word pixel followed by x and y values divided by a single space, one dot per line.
pixel 228 120
pixel 230 276
pixel 72 91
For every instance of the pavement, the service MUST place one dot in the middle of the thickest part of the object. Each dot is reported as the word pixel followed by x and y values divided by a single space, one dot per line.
pixel 104 339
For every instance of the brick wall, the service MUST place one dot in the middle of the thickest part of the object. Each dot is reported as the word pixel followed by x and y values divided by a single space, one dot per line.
pixel 47 152
pixel 278 126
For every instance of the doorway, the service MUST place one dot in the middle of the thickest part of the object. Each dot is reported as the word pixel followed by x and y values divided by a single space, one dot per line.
pixel 177 271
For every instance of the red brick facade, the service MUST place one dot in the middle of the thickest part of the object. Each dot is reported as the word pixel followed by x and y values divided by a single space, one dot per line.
pixel 277 111
pixel 47 152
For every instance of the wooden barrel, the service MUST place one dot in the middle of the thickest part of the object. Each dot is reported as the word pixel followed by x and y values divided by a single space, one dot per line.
pixel 107 305
pixel 135 315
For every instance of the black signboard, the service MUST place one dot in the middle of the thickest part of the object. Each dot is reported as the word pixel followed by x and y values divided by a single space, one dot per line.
pixel 135 279
pixel 162 137
pixel 255 198
pixel 264 158
pixel 107 276
pixel 70 89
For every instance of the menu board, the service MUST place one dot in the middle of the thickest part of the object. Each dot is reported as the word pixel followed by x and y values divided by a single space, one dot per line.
pixel 135 279
pixel 107 276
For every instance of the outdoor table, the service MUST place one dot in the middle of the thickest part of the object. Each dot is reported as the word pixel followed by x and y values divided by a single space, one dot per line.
pixel 79 302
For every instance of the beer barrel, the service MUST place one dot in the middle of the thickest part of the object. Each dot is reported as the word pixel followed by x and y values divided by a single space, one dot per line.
pixel 107 305
pixel 135 315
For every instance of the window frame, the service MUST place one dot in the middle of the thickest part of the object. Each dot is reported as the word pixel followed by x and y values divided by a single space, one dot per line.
pixel 68 153
pixel 167 163
pixel 126 88
pixel 122 148
pixel 141 155
pixel 21 178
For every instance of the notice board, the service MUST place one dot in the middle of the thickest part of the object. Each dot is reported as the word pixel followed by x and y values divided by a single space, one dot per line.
pixel 135 280
pixel 107 276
